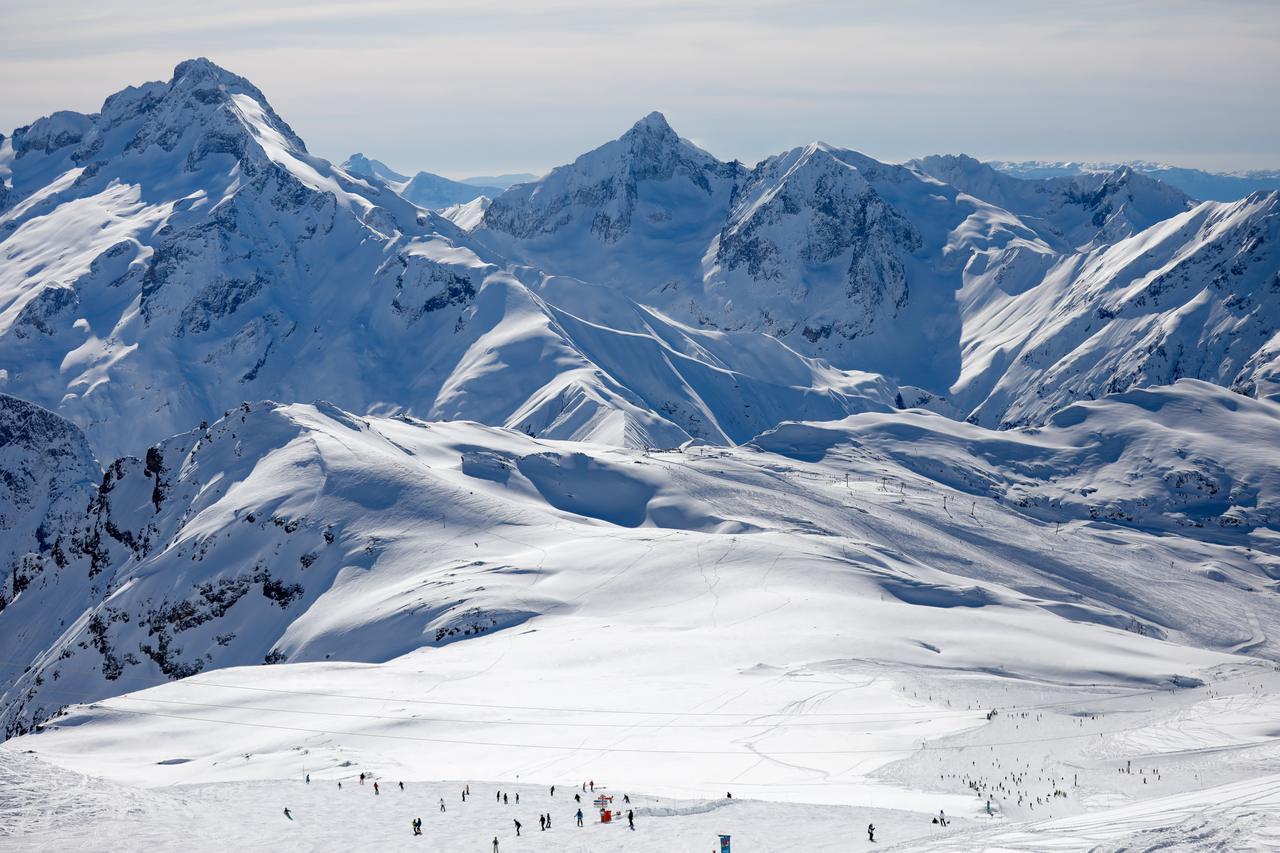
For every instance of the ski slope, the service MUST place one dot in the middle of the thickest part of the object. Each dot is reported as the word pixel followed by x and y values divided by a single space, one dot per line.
pixel 1188 807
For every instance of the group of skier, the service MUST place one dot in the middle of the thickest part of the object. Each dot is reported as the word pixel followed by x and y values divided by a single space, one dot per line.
pixel 544 820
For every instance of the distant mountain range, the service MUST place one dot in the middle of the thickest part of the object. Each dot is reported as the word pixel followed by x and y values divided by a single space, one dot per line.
pixel 1197 183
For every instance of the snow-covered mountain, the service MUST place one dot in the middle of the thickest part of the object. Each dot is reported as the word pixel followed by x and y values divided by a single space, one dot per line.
pixel 708 476
pixel 1077 212
pixel 180 252
pixel 1197 183
pixel 423 189
pixel 942 274
pixel 306 533
pixel 1190 297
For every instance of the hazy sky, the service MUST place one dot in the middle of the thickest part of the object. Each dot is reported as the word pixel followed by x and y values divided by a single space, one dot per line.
pixel 471 86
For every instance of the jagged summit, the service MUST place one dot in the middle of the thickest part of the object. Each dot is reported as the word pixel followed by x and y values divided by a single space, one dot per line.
pixel 654 122
pixel 201 70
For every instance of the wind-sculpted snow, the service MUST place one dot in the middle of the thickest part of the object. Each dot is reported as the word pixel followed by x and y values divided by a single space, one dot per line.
pixel 1146 459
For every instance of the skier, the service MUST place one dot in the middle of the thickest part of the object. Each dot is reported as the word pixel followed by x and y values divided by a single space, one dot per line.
pixel 495 844
pixel 553 790
pixel 871 832
pixel 339 786
pixel 401 786
pixel 631 820
pixel 542 823
pixel 361 778
pixel 577 798
pixel 579 817
pixel 442 804
pixel 517 823
pixel 464 795
pixel 417 826
pixel 728 796
pixel 517 798
pixel 626 798
pixel 308 778
pixel 498 796
pixel 376 790
pixel 286 813
pixel 548 820
pixel 593 786
pixel 467 789
pixel 504 799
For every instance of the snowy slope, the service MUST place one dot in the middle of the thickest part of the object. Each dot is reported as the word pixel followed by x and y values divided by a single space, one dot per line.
pixel 1193 296
pixel 823 615
pixel 301 533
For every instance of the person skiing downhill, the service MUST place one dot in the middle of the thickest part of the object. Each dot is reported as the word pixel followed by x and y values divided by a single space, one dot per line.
pixel 577 798
pixel 287 814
